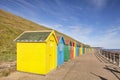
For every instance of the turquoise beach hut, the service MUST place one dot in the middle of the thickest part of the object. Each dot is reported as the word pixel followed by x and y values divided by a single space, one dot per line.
pixel 60 51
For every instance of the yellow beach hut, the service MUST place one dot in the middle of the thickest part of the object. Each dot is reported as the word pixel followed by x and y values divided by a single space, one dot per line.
pixel 81 52
pixel 37 51
pixel 74 55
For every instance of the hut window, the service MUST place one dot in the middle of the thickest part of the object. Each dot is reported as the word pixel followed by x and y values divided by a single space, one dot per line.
pixel 51 44
pixel 60 46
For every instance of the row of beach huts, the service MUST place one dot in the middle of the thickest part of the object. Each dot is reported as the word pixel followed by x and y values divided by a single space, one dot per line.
pixel 43 51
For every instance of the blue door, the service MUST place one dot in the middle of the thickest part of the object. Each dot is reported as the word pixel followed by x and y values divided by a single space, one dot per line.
pixel 60 59
pixel 77 50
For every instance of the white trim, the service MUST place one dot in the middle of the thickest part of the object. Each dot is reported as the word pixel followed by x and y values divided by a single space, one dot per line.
pixel 40 31
pixel 32 31
pixel 19 36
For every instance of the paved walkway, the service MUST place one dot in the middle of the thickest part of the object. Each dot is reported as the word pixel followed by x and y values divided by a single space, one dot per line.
pixel 89 66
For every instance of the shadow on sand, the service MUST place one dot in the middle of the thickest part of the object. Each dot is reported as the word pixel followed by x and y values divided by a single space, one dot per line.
pixel 114 71
pixel 101 58
pixel 102 78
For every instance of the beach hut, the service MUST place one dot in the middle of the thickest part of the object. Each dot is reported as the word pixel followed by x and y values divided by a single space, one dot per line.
pixel 77 49
pixel 36 51
pixel 86 49
pixel 72 50
pixel 80 49
pixel 60 53
pixel 83 49
pixel 74 45
pixel 67 48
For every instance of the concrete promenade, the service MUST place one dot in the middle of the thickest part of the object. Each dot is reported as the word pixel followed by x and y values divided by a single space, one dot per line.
pixel 90 66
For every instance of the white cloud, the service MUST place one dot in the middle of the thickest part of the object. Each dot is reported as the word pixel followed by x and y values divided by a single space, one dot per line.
pixel 57 27
pixel 82 30
pixel 98 3
pixel 64 19
pixel 79 33
pixel 109 39
pixel 114 29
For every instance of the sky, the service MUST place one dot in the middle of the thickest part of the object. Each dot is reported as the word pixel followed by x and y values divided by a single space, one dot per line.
pixel 93 22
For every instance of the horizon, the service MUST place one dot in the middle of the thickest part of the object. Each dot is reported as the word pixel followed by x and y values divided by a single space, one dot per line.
pixel 92 22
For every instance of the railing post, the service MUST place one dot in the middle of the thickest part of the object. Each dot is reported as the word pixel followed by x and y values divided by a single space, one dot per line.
pixel 104 54
pixel 119 61
pixel 107 55
pixel 114 58
pixel 110 57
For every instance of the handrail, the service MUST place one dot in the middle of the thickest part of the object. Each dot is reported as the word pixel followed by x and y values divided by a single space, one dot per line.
pixel 111 56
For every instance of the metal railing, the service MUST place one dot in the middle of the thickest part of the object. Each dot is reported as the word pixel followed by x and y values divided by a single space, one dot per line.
pixel 111 56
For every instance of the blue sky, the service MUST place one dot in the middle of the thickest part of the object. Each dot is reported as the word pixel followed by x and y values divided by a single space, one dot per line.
pixel 93 22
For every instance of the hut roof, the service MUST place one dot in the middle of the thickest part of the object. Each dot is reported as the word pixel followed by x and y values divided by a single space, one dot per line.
pixel 58 37
pixel 67 42
pixel 33 36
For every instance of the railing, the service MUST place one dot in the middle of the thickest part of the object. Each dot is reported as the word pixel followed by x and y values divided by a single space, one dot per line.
pixel 111 56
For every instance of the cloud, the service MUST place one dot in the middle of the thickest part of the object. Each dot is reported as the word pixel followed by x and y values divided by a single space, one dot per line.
pixel 99 4
pixel 58 27
pixel 64 19
pixel 78 32
pixel 20 7
pixel 83 30
pixel 113 29
pixel 108 39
